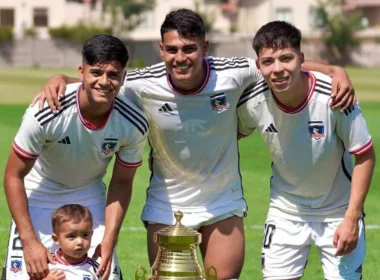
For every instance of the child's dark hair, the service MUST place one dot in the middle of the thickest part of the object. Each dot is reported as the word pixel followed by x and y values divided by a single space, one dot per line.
pixel 186 22
pixel 277 35
pixel 103 48
pixel 70 213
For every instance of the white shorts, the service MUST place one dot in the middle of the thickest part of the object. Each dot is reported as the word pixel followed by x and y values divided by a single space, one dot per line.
pixel 286 245
pixel 41 220
pixel 194 220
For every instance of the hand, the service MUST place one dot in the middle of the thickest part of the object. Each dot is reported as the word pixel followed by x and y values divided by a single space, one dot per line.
pixel 52 91
pixel 105 252
pixel 36 258
pixel 343 92
pixel 56 275
pixel 346 237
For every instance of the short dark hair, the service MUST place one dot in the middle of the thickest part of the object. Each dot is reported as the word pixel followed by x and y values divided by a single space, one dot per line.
pixel 70 213
pixel 277 35
pixel 186 22
pixel 103 48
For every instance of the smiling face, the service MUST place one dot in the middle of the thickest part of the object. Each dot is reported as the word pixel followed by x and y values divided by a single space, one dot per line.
pixel 183 58
pixel 281 68
pixel 102 82
pixel 74 239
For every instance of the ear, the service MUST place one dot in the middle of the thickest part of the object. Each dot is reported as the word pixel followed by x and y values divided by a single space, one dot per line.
pixel 81 72
pixel 161 50
pixel 124 75
pixel 55 238
pixel 302 57
pixel 257 64
pixel 206 48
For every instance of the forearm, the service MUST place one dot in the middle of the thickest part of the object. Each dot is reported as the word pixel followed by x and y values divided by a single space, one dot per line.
pixel 360 183
pixel 68 80
pixel 329 70
pixel 118 199
pixel 19 208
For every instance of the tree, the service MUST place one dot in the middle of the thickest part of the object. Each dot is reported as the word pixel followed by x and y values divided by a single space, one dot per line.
pixel 208 17
pixel 131 11
pixel 338 30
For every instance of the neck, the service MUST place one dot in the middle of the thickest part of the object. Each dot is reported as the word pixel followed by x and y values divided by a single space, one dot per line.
pixel 294 96
pixel 70 260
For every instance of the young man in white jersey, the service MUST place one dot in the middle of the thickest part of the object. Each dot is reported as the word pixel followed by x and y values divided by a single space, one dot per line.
pixel 317 192
pixel 72 231
pixel 62 158
pixel 190 100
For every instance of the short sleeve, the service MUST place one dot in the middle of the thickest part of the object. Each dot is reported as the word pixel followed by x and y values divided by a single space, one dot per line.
pixel 352 129
pixel 30 137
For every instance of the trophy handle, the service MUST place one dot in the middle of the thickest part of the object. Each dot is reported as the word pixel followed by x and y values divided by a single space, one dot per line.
pixel 211 273
pixel 141 273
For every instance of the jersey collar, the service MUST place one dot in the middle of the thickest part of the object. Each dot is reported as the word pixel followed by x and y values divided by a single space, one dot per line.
pixel 205 81
pixel 59 258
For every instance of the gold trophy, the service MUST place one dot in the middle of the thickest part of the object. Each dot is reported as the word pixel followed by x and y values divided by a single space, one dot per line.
pixel 177 255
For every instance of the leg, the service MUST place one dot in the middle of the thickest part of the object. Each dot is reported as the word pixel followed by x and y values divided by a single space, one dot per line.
pixel 152 247
pixel 223 247
pixel 345 267
pixel 285 248
pixel 98 213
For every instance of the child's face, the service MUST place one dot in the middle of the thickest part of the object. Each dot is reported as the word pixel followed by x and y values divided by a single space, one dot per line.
pixel 74 239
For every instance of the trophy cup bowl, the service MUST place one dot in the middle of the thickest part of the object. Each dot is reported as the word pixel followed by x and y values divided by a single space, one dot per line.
pixel 177 255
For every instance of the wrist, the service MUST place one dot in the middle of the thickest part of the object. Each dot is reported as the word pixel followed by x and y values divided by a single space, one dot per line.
pixel 353 215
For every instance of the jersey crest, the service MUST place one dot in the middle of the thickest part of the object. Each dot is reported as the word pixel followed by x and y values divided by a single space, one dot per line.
pixel 218 102
pixel 316 130
pixel 109 146
pixel 16 266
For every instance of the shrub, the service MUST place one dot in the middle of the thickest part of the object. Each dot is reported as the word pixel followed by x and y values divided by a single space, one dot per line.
pixel 77 34
pixel 6 33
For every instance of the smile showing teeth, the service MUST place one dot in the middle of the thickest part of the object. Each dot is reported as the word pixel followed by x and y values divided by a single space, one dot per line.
pixel 184 67
pixel 279 80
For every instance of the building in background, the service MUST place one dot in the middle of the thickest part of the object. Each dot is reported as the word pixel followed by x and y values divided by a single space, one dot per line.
pixel 247 16
pixel 40 15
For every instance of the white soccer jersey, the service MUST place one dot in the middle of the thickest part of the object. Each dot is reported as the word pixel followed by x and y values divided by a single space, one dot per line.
pixel 85 270
pixel 193 136
pixel 310 148
pixel 73 154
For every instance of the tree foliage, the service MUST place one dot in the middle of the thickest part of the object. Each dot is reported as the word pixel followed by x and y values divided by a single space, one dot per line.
pixel 338 30
pixel 131 10
pixel 207 16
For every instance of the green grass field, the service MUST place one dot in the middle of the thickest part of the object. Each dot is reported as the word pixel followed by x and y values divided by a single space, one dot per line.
pixel 18 86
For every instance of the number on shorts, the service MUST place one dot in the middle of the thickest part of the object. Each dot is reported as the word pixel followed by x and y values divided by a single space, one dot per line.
pixel 268 233
pixel 16 242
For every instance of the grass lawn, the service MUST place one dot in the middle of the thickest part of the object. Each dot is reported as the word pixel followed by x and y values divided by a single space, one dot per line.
pixel 18 86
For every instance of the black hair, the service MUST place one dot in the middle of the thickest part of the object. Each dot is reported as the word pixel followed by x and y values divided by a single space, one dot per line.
pixel 186 22
pixel 277 35
pixel 103 48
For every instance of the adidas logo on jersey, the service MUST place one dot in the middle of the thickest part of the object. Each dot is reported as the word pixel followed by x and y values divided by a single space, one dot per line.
pixel 165 109
pixel 271 129
pixel 65 140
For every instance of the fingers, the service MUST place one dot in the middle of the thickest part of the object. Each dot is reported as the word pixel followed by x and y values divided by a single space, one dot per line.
pixel 336 239
pixel 35 99
pixel 334 89
pixel 96 254
pixel 36 271
pixel 340 101
pixel 104 269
